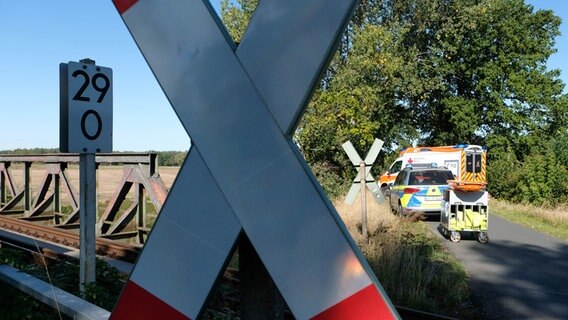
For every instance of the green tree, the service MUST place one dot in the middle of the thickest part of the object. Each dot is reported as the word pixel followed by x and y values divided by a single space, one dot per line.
pixel 353 107
pixel 542 180
pixel 480 69
pixel 435 72
pixel 560 147
pixel 236 17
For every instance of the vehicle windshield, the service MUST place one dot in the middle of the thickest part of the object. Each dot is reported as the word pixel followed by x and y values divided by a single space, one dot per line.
pixel 427 178
pixel 395 167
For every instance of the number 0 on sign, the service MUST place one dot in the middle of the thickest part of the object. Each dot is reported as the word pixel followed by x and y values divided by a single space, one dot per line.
pixel 86 108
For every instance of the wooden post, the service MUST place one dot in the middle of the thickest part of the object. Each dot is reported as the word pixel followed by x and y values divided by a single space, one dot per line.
pixel 260 298
pixel 363 200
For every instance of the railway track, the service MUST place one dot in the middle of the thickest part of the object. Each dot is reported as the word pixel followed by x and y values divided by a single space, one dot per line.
pixel 114 249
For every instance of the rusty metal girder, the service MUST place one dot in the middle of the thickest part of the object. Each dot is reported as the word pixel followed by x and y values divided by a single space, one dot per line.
pixel 6 182
pixel 153 186
pixel 113 158
pixel 139 170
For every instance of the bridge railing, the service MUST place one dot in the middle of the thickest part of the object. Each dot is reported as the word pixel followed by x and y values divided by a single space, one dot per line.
pixel 55 199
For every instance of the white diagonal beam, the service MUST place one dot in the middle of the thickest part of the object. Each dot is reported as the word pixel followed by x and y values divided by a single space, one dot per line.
pixel 352 153
pixel 373 152
pixel 286 48
pixel 376 191
pixel 352 194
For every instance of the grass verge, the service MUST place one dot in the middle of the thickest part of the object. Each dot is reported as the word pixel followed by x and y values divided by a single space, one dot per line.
pixel 413 266
pixel 16 305
pixel 552 221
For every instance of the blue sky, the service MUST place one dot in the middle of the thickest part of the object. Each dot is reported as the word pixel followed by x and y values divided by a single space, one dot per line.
pixel 558 60
pixel 37 35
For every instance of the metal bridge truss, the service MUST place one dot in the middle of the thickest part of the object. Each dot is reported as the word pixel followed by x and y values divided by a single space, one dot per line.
pixel 139 171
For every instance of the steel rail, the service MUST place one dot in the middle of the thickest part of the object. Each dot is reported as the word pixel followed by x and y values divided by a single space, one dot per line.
pixel 114 249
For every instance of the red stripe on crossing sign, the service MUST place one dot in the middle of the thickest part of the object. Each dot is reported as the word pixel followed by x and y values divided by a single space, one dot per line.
pixel 123 5
pixel 366 304
pixel 137 303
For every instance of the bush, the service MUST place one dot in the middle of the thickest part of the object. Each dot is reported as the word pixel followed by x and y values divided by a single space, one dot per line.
pixel 560 147
pixel 542 177
pixel 329 180
pixel 502 175
pixel 542 180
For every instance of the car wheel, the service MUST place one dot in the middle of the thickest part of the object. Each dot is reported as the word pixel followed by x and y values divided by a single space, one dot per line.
pixel 483 237
pixel 455 236
pixel 392 210
pixel 385 190
pixel 399 211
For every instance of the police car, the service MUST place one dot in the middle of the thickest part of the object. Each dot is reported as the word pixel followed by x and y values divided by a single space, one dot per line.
pixel 419 190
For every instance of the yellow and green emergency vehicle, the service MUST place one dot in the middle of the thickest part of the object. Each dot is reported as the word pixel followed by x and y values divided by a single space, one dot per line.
pixel 465 204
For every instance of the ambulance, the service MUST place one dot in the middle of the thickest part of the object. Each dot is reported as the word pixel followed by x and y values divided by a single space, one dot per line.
pixel 467 162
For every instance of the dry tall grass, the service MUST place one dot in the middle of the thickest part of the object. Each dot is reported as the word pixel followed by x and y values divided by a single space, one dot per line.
pixel 413 267
pixel 378 217
pixel 556 216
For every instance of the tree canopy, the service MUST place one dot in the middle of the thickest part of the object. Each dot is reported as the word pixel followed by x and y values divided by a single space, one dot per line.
pixel 440 72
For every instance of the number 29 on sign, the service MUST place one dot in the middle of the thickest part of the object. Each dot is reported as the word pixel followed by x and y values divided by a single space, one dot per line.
pixel 86 107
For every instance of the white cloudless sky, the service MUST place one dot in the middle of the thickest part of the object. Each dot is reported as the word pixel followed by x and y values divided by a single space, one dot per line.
pixel 37 35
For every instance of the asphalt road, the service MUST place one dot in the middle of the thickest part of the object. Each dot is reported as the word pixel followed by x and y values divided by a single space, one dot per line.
pixel 519 274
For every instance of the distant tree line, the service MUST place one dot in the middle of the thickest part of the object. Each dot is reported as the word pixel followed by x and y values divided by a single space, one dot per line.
pixel 165 158
pixel 30 151
pixel 171 158
pixel 440 72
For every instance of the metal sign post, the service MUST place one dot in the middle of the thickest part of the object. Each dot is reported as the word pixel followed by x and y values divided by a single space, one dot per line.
pixel 88 219
pixel 86 128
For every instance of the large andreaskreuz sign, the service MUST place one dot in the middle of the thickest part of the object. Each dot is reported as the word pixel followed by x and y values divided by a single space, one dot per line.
pixel 240 106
